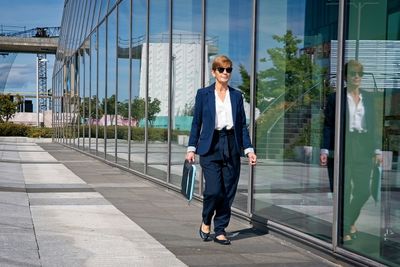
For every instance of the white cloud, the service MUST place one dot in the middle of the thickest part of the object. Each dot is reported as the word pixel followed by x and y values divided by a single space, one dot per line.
pixel 22 76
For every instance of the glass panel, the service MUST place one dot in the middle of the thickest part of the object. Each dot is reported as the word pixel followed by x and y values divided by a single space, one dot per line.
pixel 186 78
pixel 123 82
pixel 75 100
pixel 229 32
pixel 103 10
pixel 157 156
pixel 91 5
pixel 67 103
pixel 93 93
pixel 71 27
pixel 101 91
pixel 87 96
pixel 84 21
pixel 95 21
pixel 138 76
pixel 56 106
pixel 81 102
pixel 111 84
pixel 82 24
pixel 371 209
pixel 293 74
pixel 78 25
pixel 111 4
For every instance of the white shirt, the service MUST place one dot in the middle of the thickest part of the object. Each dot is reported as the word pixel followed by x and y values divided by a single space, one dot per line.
pixel 356 119
pixel 356 114
pixel 223 112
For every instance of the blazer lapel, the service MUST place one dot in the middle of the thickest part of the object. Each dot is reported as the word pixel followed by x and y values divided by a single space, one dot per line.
pixel 211 102
pixel 234 104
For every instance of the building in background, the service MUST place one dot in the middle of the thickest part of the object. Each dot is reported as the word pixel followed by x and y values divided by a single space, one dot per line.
pixel 127 72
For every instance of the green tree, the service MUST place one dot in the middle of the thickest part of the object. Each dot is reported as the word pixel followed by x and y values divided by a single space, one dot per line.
pixel 291 72
pixel 84 108
pixel 153 109
pixel 8 106
pixel 110 103
pixel 245 86
pixel 138 109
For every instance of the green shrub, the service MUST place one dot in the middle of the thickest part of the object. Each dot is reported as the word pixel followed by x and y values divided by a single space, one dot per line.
pixel 40 132
pixel 11 129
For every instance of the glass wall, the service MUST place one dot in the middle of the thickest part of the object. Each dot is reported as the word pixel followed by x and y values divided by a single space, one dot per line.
pixel 101 119
pixel 229 32
pixel 123 81
pixel 81 101
pixel 92 111
pixel 371 129
pixel 186 79
pixel 293 75
pixel 156 97
pixel 137 148
pixel 127 73
pixel 86 96
pixel 111 89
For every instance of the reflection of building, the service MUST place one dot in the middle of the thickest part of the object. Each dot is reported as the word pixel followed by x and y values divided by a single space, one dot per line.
pixel 186 59
pixel 381 60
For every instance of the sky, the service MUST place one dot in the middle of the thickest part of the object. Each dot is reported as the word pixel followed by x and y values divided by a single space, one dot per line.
pixel 29 14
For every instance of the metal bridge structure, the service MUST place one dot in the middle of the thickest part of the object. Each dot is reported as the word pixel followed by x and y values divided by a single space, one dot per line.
pixel 40 41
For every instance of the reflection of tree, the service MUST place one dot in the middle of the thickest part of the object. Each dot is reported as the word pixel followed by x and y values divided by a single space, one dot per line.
pixel 245 86
pixel 188 110
pixel 291 72
pixel 84 109
pixel 110 103
pixel 138 109
pixel 292 81
pixel 154 108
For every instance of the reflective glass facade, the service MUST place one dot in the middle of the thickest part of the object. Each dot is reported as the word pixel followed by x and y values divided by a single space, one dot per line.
pixel 127 71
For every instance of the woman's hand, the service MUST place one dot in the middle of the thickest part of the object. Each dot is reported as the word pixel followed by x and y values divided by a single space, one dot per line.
pixel 190 156
pixel 252 158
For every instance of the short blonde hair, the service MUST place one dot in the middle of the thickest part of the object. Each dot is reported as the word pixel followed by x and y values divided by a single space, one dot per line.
pixel 353 65
pixel 221 61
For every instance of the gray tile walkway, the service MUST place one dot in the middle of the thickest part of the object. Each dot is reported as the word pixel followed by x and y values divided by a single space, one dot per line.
pixel 59 207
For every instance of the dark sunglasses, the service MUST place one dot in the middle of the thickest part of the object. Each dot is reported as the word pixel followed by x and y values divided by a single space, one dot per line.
pixel 221 70
pixel 354 73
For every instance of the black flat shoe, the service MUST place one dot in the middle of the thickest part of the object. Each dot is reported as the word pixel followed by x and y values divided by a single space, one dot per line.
pixel 204 236
pixel 222 241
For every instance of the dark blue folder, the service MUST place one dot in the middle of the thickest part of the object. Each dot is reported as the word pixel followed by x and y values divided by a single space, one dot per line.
pixel 188 180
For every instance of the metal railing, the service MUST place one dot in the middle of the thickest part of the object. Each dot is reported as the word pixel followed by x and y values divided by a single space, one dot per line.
pixel 38 32
pixel 286 109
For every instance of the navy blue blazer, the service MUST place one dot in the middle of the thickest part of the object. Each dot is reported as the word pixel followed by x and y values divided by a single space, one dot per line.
pixel 203 123
pixel 328 141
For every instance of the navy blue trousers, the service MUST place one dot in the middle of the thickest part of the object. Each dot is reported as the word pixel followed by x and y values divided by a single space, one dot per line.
pixel 221 169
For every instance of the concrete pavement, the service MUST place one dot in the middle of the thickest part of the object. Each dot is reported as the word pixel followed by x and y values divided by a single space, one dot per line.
pixel 60 207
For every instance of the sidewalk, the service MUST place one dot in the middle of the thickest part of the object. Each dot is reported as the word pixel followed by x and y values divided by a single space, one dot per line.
pixel 60 207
